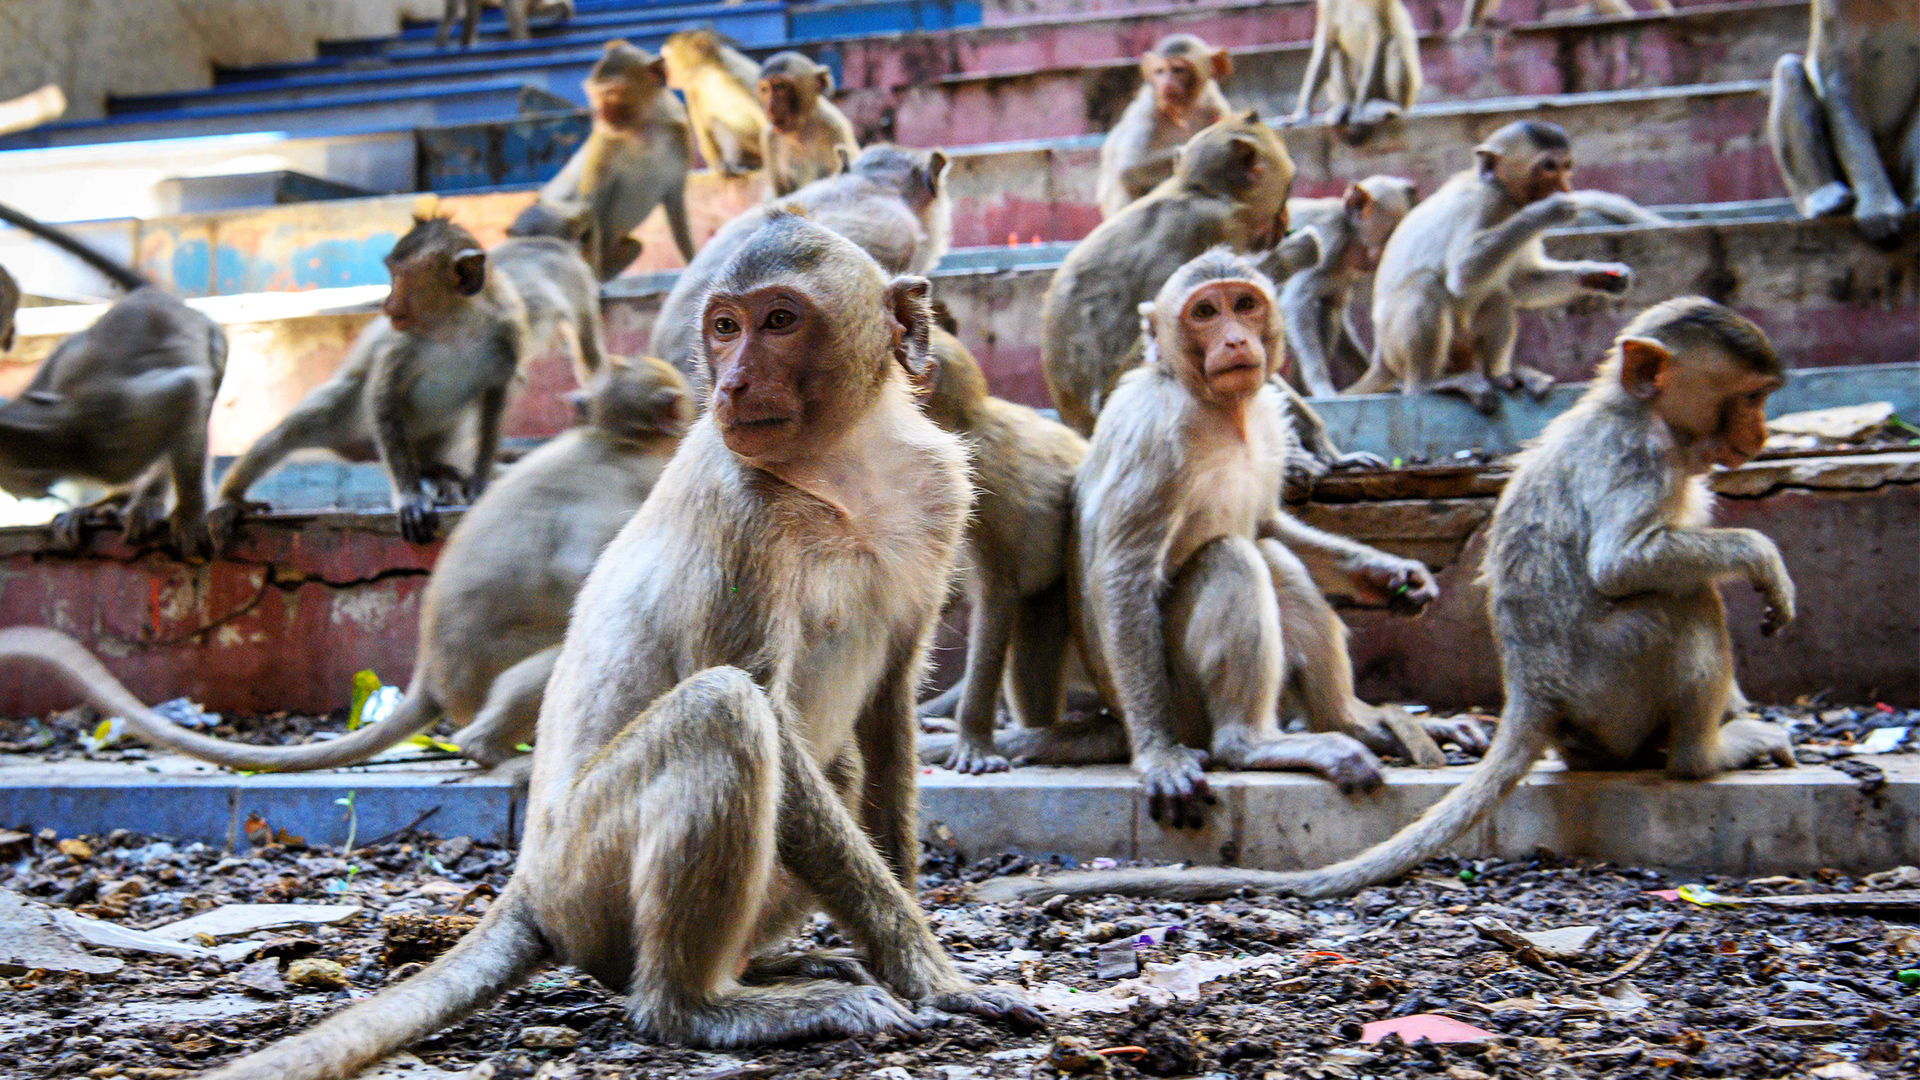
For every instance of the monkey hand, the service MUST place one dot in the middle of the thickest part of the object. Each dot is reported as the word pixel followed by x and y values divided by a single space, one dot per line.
pixel 988 1003
pixel 1464 731
pixel 189 536
pixel 1402 586
pixel 1745 744
pixel 1359 459
pixel 1778 590
pixel 974 758
pixel 223 521
pixel 1614 279
pixel 419 521
pixel 1176 783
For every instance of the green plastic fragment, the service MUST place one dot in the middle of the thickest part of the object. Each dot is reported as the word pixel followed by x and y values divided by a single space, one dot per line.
pixel 1909 977
pixel 364 684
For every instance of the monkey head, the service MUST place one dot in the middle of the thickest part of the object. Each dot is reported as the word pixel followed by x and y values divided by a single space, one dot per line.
pixel 435 267
pixel 623 80
pixel 920 176
pixel 638 399
pixel 1242 159
pixel 1705 371
pixel 790 84
pixel 1529 159
pixel 686 52
pixel 1179 68
pixel 1212 326
pixel 800 332
pixel 571 220
pixel 1375 206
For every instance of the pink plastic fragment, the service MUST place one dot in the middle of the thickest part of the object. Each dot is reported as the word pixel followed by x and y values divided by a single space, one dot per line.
pixel 1429 1026
pixel 1671 896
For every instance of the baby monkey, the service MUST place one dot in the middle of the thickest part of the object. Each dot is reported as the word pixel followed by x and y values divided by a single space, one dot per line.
pixel 807 137
pixel 1602 575
pixel 1179 95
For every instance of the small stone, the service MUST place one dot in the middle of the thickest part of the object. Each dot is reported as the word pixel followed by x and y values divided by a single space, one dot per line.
pixel 549 1038
pixel 316 974
pixel 1072 1055
pixel 262 979
pixel 77 850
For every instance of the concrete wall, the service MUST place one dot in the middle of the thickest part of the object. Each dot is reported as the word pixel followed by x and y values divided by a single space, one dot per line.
pixel 93 48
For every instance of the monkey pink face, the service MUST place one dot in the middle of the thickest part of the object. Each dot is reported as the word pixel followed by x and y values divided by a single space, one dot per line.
pixel 1175 81
pixel 763 346
pixel 1225 325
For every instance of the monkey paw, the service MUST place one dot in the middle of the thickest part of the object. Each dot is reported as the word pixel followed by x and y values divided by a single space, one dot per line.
pixel 1880 225
pixel 223 521
pixel 1359 459
pixel 419 521
pixel 1749 744
pixel 1177 789
pixel 1614 279
pixel 1780 608
pixel 1402 586
pixel 989 1003
pixel 1831 200
pixel 1343 760
pixel 1464 731
pixel 972 759
pixel 189 537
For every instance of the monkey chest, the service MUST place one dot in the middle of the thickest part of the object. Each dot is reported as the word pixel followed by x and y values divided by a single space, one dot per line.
pixel 1230 489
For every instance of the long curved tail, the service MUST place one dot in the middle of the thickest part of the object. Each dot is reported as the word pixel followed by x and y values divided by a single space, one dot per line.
pixel 81 671
pixel 1518 745
pixel 127 277
pixel 491 958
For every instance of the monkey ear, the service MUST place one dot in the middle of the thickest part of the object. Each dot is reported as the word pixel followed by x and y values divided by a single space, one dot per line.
pixel 1246 155
pixel 936 170
pixel 658 65
pixel 846 159
pixel 825 80
pixel 1644 364
pixel 1222 64
pixel 1489 160
pixel 470 270
pixel 1357 200
pixel 910 298
pixel 577 401
pixel 6 340
pixel 1252 116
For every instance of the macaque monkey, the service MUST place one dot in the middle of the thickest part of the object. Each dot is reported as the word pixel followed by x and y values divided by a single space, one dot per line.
pixel 1230 187
pixel 516 11
pixel 123 403
pixel 1316 304
pixel 1475 13
pixel 431 374
pixel 718 81
pixel 494 612
pixel 892 203
pixel 1179 95
pixel 726 745
pixel 807 137
pixel 1367 54
pixel 1602 575
pixel 1015 554
pixel 635 158
pixel 1465 261
pixel 1845 120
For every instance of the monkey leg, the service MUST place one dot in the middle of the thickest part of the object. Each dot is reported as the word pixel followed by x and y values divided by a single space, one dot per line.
pixel 326 417
pixel 1473 15
pixel 1074 742
pixel 1802 145
pixel 1702 742
pixel 943 704
pixel 505 721
pixel 1035 680
pixel 1226 648
pixel 675 202
pixel 1413 339
pixel 1905 165
pixel 993 606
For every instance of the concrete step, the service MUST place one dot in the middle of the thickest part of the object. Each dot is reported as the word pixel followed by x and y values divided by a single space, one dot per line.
pixel 1427 14
pixel 1748 824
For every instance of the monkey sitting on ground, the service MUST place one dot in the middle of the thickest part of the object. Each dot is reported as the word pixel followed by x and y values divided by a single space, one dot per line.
pixel 1845 121
pixel 1367 54
pixel 516 11
pixel 494 612
pixel 718 81
pixel 1019 631
pixel 1179 95
pixel 1230 187
pixel 726 745
pixel 893 204
pixel 1474 14
pixel 1463 263
pixel 123 403
pixel 635 158
pixel 1316 303
pixel 432 372
pixel 807 137
pixel 1602 579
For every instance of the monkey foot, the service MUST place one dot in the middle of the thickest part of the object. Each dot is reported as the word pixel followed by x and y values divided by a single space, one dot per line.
pixel 70 529
pixel 990 1003
pixel 223 521
pixel 973 759
pixel 1536 383
pixel 1475 388
pixel 1830 200
pixel 1177 789
pixel 822 966
pixel 1880 227
pixel 1464 731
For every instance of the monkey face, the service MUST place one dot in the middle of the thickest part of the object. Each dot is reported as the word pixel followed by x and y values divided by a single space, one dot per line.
pixel 1226 325
pixel 1551 172
pixel 1715 407
pixel 781 98
pixel 429 286
pixel 763 346
pixel 1175 81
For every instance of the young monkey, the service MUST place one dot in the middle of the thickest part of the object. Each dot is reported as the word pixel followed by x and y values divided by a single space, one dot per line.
pixel 807 137
pixel 1316 303
pixel 1602 575
pixel 1179 95
pixel 1367 53
pixel 718 81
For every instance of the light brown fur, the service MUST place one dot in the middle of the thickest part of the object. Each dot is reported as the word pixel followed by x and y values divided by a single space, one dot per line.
pixel 807 137
pixel 1474 14
pixel 467 12
pixel 1316 303
pixel 1179 95
pixel 1367 55
pixel 718 81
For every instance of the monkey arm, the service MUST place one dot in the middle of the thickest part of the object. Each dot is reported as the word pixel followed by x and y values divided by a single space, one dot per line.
pixel 1550 283
pixel 1403 585
pixel 1300 312
pixel 1636 551
pixel 1316 64
pixel 1617 208
pixel 493 406
pixel 887 732
pixel 1125 589
pixel 1148 173
pixel 1477 255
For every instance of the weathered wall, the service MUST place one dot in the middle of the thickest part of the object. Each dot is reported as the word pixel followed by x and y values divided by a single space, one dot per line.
pixel 93 48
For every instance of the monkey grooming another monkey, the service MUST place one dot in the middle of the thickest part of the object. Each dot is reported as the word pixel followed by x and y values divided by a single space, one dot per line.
pixel 718 81
pixel 516 11
pixel 433 370
pixel 1367 54
pixel 1316 303
pixel 122 403
pixel 806 134
pixel 726 744
pixel 635 158
pixel 1602 577
pixel 892 203
pixel 1230 187
pixel 1462 264
pixel 1016 554
pixel 1179 95
pixel 1845 120
pixel 494 611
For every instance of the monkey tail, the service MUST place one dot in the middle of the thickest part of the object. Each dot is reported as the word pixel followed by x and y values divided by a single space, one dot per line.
pixel 81 671
pixel 1516 747
pixel 494 955
pixel 126 276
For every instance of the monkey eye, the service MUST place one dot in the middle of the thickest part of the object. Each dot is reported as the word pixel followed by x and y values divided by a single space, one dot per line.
pixel 1245 304
pixel 1205 310
pixel 725 326
pixel 779 319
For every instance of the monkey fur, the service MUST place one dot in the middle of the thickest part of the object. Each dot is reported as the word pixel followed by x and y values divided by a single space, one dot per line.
pixel 1474 14
pixel 807 137
pixel 1316 303
pixel 516 11
pixel 1179 95
pixel 719 83
pixel 1367 55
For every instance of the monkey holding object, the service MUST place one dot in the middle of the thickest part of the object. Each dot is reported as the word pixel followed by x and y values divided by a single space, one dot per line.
pixel 1179 95
pixel 1474 15
pixel 1367 54
pixel 1602 577
pixel 726 745
pixel 494 612
pixel 1229 187
pixel 516 11
pixel 635 158
pixel 807 137
pixel 1016 555
pixel 1462 264
pixel 892 203
pixel 1845 120
pixel 719 83
pixel 425 384
pixel 123 403
pixel 1316 303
